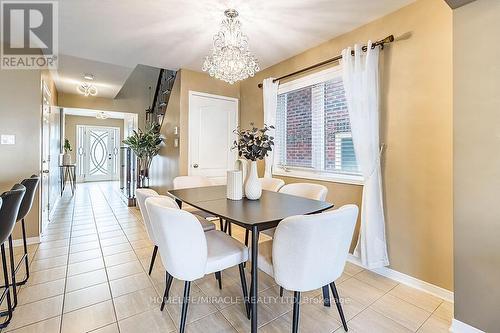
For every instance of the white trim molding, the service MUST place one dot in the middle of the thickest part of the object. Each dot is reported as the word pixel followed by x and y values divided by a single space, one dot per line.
pixel 459 327
pixel 408 280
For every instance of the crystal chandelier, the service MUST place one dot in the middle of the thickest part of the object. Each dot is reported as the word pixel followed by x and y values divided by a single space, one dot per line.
pixel 231 59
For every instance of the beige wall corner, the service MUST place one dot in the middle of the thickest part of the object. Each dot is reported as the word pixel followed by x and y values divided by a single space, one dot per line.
pixel 20 112
pixel 476 61
pixel 416 116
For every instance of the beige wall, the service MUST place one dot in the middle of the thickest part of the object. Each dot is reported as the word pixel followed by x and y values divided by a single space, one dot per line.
pixel 71 121
pixel 476 165
pixel 416 126
pixel 173 161
pixel 20 114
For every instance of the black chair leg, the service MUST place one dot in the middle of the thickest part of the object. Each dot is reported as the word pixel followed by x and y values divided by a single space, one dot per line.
pixel 230 229
pixel 281 291
pixel 185 302
pixel 296 310
pixel 6 292
pixel 26 259
pixel 13 272
pixel 168 283
pixel 221 224
pixel 326 296
pixel 339 305
pixel 155 250
pixel 218 276
pixel 244 288
pixel 247 234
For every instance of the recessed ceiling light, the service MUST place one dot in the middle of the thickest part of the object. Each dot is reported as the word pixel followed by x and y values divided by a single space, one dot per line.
pixel 89 77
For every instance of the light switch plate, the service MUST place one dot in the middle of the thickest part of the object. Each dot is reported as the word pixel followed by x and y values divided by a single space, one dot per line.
pixel 8 139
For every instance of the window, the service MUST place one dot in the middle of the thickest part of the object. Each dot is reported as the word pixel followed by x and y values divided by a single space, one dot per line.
pixel 313 132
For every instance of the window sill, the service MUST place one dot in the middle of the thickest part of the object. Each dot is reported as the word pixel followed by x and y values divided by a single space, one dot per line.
pixel 333 178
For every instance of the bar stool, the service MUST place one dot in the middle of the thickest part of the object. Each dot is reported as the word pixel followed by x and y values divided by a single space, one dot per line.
pixel 11 201
pixel 31 185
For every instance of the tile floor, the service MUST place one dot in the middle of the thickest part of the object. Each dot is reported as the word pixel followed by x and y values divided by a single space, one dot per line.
pixel 89 274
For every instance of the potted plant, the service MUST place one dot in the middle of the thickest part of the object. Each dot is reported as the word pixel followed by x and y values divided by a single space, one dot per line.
pixel 67 155
pixel 146 145
pixel 253 144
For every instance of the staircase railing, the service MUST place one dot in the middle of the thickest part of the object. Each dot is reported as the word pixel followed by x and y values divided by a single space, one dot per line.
pixel 156 112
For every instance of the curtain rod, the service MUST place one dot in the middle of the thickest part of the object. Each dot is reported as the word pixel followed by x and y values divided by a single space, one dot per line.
pixel 386 40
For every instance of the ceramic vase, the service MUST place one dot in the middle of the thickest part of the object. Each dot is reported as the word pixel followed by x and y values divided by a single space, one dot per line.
pixel 253 187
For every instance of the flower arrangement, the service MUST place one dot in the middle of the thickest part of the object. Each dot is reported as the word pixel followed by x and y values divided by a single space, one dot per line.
pixel 254 143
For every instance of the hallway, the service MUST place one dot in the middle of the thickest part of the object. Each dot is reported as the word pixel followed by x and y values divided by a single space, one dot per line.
pixel 89 274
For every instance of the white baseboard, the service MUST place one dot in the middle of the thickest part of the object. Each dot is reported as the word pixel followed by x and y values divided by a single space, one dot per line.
pixel 459 327
pixel 19 242
pixel 407 280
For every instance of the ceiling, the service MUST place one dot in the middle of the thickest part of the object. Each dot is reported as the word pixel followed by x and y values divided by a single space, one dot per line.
pixel 109 38
pixel 108 78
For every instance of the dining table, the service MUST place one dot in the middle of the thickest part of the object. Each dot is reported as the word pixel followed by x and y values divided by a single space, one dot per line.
pixel 253 215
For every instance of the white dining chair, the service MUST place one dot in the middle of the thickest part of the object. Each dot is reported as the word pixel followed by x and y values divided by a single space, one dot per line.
pixel 305 190
pixel 182 182
pixel 188 253
pixel 271 184
pixel 141 195
pixel 296 255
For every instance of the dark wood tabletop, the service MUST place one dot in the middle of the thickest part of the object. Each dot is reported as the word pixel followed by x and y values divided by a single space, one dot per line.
pixel 266 212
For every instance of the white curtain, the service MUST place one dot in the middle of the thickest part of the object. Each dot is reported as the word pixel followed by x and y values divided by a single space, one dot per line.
pixel 270 92
pixel 360 76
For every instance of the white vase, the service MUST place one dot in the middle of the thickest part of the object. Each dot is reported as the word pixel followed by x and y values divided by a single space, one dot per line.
pixel 234 187
pixel 253 188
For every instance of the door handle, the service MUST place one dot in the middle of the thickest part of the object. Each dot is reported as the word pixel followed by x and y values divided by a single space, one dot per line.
pixel 195 166
pixel 45 171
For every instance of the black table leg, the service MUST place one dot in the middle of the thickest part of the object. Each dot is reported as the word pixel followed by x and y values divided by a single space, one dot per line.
pixel 254 289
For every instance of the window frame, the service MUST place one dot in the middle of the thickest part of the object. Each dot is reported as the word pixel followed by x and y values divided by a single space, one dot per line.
pixel 307 173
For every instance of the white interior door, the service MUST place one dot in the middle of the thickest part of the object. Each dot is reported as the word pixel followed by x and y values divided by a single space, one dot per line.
pixel 98 153
pixel 212 120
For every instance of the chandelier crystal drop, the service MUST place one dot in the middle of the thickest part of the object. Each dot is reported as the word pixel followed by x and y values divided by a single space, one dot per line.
pixel 230 59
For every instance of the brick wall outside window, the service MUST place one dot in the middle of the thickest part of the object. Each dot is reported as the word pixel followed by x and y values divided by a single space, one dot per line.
pixel 298 128
pixel 336 118
pixel 313 128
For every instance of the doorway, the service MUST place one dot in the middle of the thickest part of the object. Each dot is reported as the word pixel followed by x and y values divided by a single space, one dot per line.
pixel 50 151
pixel 212 120
pixel 98 153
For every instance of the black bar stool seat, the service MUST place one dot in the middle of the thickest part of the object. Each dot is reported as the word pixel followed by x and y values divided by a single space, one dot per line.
pixel 11 201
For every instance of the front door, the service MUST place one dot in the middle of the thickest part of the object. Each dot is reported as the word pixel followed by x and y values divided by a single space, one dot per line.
pixel 212 120
pixel 98 153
